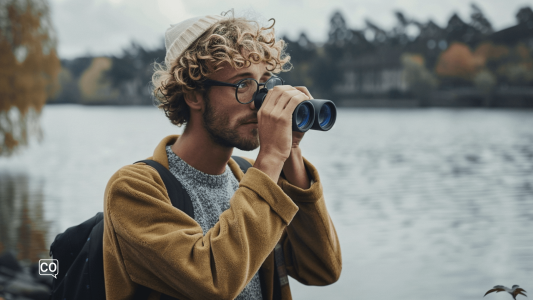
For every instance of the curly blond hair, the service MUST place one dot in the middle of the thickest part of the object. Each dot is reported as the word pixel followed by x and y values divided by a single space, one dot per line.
pixel 237 41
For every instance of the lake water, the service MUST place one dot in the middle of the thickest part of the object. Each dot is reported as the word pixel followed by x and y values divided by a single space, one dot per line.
pixel 427 203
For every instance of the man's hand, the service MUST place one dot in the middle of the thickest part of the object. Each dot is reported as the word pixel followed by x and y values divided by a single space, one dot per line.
pixel 275 128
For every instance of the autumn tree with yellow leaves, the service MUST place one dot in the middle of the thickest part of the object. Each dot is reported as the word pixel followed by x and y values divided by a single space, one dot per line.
pixel 28 69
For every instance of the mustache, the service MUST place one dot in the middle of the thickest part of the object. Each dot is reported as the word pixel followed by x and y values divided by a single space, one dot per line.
pixel 251 119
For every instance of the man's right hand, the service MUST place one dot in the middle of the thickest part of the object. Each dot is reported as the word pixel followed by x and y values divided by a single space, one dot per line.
pixel 275 128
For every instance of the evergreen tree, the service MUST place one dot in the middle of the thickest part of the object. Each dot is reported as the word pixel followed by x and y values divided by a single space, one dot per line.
pixel 525 16
pixel 479 21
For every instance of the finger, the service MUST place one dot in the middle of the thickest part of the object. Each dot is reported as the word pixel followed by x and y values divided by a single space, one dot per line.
pixel 305 97
pixel 289 109
pixel 304 90
pixel 285 98
pixel 276 92
pixel 282 113
pixel 273 95
pixel 270 100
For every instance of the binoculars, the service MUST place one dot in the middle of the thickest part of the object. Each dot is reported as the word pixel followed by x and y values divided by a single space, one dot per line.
pixel 316 114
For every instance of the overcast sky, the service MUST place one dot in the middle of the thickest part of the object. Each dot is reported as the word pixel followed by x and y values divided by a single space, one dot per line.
pixel 105 27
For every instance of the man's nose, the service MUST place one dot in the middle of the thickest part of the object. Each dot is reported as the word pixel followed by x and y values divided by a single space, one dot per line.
pixel 252 105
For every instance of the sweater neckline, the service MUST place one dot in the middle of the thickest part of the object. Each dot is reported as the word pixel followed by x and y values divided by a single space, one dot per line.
pixel 194 175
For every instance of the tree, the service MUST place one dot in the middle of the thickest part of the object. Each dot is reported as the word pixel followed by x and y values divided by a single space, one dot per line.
pixel 479 21
pixel 419 80
pixel 485 82
pixel 459 31
pixel 338 31
pixel 525 15
pixel 458 61
pixel 28 69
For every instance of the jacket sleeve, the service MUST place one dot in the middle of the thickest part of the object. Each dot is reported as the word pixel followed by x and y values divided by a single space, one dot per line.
pixel 310 245
pixel 166 250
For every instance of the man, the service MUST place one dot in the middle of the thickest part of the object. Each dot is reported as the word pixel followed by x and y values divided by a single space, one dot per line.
pixel 227 250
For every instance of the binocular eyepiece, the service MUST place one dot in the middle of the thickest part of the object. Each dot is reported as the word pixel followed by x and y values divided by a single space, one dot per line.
pixel 316 114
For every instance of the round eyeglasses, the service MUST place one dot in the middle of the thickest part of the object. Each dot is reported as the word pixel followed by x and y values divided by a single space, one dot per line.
pixel 247 88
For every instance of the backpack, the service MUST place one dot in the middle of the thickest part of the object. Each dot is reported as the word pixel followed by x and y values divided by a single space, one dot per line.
pixel 79 249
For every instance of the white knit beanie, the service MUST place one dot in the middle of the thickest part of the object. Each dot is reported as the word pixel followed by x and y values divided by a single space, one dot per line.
pixel 181 35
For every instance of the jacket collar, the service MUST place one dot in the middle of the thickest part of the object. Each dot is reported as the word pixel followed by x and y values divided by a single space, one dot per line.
pixel 160 155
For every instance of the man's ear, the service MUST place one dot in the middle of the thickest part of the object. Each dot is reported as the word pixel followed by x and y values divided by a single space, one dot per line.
pixel 194 100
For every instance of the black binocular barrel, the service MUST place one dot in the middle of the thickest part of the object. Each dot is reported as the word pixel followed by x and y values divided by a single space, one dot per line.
pixel 325 114
pixel 314 114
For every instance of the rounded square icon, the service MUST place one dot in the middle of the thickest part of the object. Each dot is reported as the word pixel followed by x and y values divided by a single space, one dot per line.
pixel 49 267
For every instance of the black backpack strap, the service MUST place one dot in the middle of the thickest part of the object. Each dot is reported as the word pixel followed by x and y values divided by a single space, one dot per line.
pixel 97 283
pixel 178 195
pixel 181 200
pixel 141 293
pixel 243 163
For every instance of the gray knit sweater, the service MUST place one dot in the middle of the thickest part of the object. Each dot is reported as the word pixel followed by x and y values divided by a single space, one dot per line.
pixel 210 195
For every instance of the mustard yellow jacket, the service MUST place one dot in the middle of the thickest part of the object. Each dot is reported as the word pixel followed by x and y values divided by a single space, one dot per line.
pixel 147 241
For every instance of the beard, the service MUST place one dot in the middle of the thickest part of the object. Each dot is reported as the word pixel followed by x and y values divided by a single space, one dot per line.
pixel 217 125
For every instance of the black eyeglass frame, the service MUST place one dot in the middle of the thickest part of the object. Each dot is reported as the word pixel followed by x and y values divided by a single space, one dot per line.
pixel 210 82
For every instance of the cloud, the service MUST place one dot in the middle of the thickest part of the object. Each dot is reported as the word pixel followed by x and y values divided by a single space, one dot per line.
pixel 174 10
pixel 102 27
